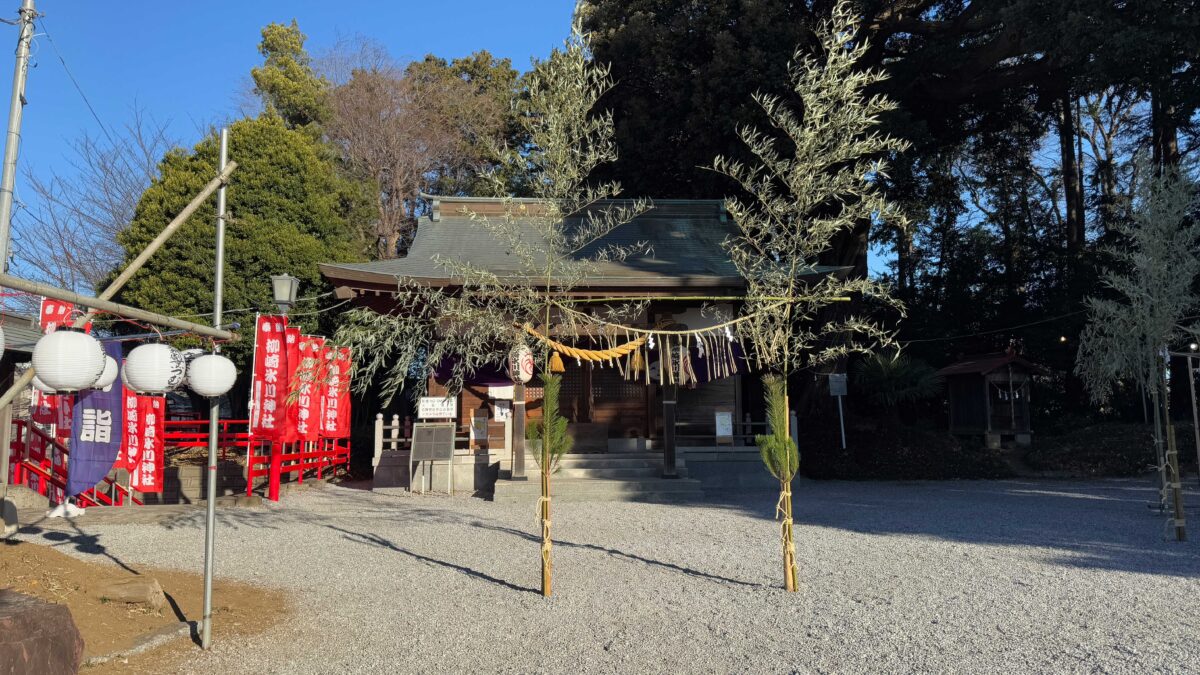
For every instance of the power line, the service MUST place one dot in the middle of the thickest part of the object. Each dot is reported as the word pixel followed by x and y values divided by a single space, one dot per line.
pixel 96 116
pixel 997 330
pixel 74 82
pixel 245 310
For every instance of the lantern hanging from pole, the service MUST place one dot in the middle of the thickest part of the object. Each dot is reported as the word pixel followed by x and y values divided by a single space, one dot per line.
pixel 211 375
pixel 41 386
pixel 2 342
pixel 109 375
pixel 188 355
pixel 154 369
pixel 68 360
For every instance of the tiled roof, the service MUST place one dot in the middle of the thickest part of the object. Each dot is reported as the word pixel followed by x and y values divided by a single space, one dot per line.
pixel 986 363
pixel 684 237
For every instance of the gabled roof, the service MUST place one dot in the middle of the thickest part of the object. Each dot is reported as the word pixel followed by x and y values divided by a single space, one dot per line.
pixel 986 363
pixel 684 236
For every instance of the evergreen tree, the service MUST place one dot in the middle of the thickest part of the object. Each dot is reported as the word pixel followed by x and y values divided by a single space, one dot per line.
pixel 288 207
pixel 288 211
pixel 286 81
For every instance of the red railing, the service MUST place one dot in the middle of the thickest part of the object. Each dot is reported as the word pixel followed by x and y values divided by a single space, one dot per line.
pixel 40 462
pixel 231 434
pixel 280 459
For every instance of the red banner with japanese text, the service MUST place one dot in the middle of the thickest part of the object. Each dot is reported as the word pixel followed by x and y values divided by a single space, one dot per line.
pixel 62 416
pixel 291 408
pixel 147 472
pixel 335 399
pixel 131 434
pixel 268 383
pixel 55 313
pixel 45 409
pixel 310 378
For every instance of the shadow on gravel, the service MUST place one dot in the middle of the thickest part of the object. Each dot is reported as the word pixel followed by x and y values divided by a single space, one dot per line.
pixel 618 554
pixel 1103 524
pixel 376 540
pixel 81 541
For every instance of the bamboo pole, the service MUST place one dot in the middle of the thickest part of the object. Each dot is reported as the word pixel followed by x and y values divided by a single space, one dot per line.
pixel 1176 485
pixel 37 288
pixel 791 582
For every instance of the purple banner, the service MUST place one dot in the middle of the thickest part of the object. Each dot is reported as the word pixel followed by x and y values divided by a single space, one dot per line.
pixel 96 431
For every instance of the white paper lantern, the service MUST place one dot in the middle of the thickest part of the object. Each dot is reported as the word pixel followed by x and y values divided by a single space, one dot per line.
pixel 41 386
pixel 68 360
pixel 2 342
pixel 109 375
pixel 154 369
pixel 211 375
pixel 520 364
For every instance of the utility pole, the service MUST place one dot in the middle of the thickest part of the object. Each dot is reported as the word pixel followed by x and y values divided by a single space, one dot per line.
pixel 8 179
pixel 214 411
pixel 12 142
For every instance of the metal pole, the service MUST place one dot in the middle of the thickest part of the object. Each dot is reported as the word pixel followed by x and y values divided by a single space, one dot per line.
pixel 1191 375
pixel 12 143
pixel 841 422
pixel 214 411
pixel 8 177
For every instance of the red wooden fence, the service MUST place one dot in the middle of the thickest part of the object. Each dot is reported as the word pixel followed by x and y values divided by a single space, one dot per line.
pixel 40 462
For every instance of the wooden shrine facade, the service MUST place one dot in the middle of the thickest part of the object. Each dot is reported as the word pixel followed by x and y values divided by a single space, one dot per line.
pixel 990 395
pixel 607 410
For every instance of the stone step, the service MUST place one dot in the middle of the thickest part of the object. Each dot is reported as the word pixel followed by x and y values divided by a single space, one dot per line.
pixel 655 463
pixel 602 490
pixel 609 472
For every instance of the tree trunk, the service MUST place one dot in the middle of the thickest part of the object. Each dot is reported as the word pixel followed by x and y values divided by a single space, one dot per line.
pixel 1072 187
pixel 1164 135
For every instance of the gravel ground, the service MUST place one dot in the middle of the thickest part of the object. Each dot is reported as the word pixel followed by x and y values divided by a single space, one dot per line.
pixel 998 576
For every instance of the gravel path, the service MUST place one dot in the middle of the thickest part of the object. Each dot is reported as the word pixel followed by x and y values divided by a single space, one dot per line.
pixel 1003 576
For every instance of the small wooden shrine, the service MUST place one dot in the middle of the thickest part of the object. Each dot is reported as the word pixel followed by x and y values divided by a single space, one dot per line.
pixel 989 397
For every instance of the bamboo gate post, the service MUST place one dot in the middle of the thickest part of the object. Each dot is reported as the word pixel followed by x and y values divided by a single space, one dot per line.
pixel 790 574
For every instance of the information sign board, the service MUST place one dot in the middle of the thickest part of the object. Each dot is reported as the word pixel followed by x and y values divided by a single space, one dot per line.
pixel 437 408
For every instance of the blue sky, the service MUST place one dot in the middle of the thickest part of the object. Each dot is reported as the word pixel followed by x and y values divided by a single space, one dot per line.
pixel 185 62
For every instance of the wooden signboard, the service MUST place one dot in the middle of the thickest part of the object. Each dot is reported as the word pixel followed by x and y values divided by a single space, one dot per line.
pixel 433 442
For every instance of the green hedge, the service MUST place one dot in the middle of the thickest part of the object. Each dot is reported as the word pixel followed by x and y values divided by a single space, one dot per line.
pixel 1106 449
pixel 885 451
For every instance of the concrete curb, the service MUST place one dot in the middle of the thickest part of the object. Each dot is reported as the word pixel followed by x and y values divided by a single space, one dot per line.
pixel 145 643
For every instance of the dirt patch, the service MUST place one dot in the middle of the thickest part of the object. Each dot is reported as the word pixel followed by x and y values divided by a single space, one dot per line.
pixel 108 627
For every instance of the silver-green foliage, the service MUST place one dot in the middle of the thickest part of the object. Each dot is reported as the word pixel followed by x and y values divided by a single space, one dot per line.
pixel 814 179
pixel 1150 292
pixel 555 240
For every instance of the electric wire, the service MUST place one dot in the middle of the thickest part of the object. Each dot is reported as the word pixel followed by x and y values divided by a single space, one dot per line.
pixel 995 330
pixel 40 20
